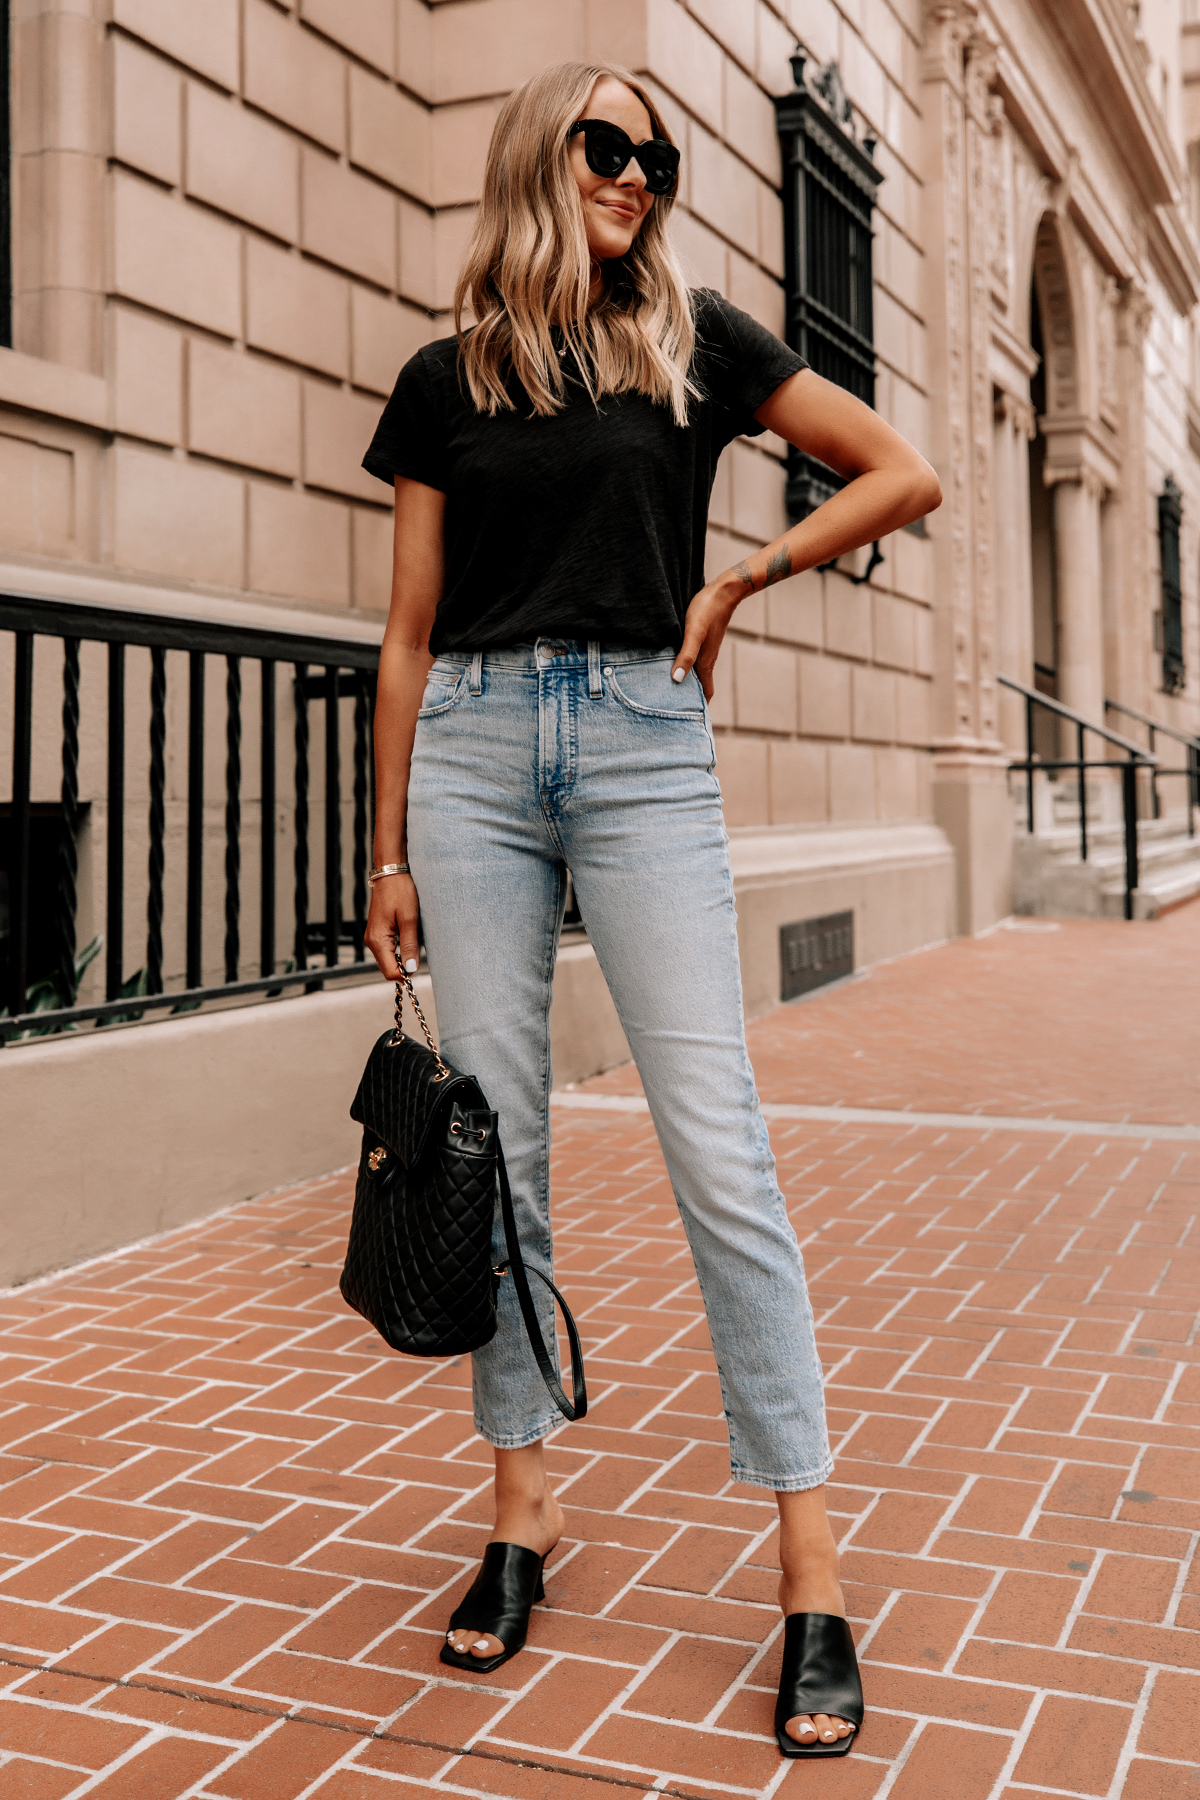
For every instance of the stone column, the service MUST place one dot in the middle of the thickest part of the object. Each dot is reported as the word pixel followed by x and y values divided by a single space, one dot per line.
pixel 58 181
pixel 1080 614
pixel 1015 424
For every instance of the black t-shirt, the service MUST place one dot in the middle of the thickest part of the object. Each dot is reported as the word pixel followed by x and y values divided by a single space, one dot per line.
pixel 586 524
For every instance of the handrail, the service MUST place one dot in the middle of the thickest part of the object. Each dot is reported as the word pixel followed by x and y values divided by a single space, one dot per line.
pixel 1191 768
pixel 1131 712
pixel 1077 718
pixel 1134 758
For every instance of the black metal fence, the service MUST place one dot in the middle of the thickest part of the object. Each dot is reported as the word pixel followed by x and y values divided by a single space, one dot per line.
pixel 1130 758
pixel 1190 769
pixel 292 677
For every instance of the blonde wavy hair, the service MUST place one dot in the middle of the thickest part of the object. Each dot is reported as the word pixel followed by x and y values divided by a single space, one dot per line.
pixel 528 269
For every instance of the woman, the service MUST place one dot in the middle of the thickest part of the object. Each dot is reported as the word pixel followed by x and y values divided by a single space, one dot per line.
pixel 550 646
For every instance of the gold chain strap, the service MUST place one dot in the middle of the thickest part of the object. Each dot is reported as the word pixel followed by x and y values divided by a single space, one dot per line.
pixel 398 1034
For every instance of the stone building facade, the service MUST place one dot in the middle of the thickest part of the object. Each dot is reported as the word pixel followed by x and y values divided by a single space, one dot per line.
pixel 233 220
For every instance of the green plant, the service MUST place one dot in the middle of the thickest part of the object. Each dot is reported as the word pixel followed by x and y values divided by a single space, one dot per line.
pixel 47 995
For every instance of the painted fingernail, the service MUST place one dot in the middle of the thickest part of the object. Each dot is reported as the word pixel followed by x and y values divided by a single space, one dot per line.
pixel 411 965
pixel 678 674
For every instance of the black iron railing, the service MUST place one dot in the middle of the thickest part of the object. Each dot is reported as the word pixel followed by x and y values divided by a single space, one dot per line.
pixel 43 835
pixel 1132 758
pixel 1191 765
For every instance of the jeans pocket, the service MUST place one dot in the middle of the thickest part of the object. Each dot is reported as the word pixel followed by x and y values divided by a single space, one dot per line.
pixel 646 688
pixel 444 688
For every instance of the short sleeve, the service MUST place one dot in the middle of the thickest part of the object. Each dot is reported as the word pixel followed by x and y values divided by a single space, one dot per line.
pixel 741 363
pixel 410 438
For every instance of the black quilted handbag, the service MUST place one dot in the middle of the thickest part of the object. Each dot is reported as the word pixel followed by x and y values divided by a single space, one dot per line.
pixel 418 1264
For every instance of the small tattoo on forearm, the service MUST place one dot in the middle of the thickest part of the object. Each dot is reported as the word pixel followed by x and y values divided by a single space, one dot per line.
pixel 779 566
pixel 742 571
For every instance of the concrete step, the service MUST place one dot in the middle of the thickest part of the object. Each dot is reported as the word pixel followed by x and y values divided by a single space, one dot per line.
pixel 1050 878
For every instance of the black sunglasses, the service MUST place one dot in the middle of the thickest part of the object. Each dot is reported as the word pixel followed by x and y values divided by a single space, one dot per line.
pixel 608 150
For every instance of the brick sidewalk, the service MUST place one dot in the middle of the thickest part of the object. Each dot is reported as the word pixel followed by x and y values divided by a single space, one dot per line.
pixel 232 1526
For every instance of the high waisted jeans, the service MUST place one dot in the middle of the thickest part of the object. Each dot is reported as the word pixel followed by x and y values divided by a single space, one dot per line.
pixel 555 756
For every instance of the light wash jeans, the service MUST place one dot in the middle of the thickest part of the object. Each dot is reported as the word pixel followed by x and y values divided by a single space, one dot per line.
pixel 561 755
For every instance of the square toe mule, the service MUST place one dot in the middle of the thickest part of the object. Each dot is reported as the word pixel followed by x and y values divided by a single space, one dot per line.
pixel 498 1603
pixel 819 1675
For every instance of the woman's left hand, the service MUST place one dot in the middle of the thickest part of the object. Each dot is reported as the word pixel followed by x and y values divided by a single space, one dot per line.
pixel 704 629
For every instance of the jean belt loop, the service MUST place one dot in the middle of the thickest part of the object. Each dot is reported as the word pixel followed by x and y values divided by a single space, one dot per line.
pixel 477 672
pixel 594 688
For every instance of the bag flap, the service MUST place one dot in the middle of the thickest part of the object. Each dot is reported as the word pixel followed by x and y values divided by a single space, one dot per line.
pixel 400 1101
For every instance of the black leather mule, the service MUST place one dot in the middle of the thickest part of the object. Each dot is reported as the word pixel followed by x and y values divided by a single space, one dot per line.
pixel 819 1675
pixel 497 1603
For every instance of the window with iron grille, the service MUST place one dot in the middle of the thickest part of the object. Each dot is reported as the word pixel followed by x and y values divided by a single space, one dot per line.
pixel 6 336
pixel 1170 514
pixel 829 183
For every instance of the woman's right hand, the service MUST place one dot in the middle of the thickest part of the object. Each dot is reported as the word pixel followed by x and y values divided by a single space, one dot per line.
pixel 392 925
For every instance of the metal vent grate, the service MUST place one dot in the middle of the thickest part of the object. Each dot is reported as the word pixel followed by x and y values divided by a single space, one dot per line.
pixel 813 952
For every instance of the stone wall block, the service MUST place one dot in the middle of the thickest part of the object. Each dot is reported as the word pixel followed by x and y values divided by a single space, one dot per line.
pixel 460 136
pixel 384 333
pixel 224 144
pixel 923 641
pixel 147 369
pixel 851 782
pixel 416 253
pixel 181 519
pixel 732 23
pixel 824 696
pixel 914 723
pixel 202 34
pixel 758 493
pixel 615 31
pixel 799 783
pixel 390 134
pixel 891 332
pixel 749 124
pixel 847 618
pixel 873 696
pixel 348 220
pixel 722 707
pixel 242 409
pixel 776 41
pixel 765 691
pixel 299 545
pixel 36 497
pixel 494 45
pixel 296 309
pixel 757 293
pixel 795 609
pixel 904 264
pixel 414 47
pixel 897 788
pixel 367 27
pixel 175 258
pixel 704 257
pixel 910 564
pixel 451 237
pixel 295 77
pixel 743 775
pixel 681 54
pixel 724 190
pixel 371 540
pixel 892 634
pixel 338 426
pixel 770 232
pixel 862 72
pixel 146 111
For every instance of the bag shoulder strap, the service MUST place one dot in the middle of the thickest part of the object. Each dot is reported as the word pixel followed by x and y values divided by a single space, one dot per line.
pixel 573 1409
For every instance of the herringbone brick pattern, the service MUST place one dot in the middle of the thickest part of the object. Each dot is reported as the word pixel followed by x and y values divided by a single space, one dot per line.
pixel 232 1525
